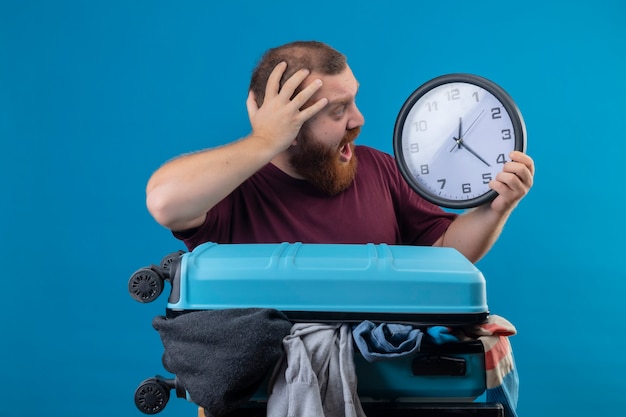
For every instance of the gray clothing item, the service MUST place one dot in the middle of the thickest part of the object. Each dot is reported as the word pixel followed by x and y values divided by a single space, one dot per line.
pixel 221 357
pixel 317 378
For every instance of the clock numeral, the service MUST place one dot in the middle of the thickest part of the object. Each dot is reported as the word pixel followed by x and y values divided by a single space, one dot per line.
pixel 424 169
pixel 506 134
pixel 495 113
pixel 421 126
pixel 501 159
pixel 487 178
pixel 414 147
pixel 453 94
pixel 432 106
pixel 443 183
pixel 467 188
pixel 475 95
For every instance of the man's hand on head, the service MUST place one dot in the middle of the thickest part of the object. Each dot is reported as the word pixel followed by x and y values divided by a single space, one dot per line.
pixel 280 117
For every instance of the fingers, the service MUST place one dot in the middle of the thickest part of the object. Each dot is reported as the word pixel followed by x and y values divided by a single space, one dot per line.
pixel 517 156
pixel 314 108
pixel 281 115
pixel 273 89
pixel 291 85
pixel 286 93
pixel 305 95
pixel 516 178
pixel 521 166
pixel 273 82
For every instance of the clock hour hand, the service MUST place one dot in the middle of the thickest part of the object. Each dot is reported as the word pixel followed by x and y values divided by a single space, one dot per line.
pixel 458 139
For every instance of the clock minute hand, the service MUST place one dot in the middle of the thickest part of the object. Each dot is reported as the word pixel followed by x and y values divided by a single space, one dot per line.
pixel 475 154
pixel 459 141
pixel 464 134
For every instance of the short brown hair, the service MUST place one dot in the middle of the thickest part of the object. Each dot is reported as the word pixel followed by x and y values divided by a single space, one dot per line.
pixel 312 55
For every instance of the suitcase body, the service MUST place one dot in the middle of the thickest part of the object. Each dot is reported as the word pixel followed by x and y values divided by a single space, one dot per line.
pixel 424 286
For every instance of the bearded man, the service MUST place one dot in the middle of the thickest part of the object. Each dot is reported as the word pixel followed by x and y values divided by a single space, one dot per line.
pixel 299 177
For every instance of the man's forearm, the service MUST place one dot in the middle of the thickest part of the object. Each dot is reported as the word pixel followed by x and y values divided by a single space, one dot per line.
pixel 474 232
pixel 179 193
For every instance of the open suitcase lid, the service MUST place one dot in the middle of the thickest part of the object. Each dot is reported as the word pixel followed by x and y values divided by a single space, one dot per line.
pixel 332 282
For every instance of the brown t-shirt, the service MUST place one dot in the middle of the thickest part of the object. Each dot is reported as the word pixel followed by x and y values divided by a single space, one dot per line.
pixel 272 207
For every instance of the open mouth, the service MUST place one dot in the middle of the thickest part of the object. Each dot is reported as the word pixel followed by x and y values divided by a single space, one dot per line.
pixel 345 153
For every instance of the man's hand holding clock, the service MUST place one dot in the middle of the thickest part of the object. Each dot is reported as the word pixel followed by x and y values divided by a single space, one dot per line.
pixel 491 174
pixel 513 182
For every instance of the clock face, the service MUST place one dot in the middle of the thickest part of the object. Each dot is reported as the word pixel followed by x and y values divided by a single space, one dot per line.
pixel 453 135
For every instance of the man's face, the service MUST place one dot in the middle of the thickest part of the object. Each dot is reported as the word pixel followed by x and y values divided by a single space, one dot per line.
pixel 329 168
pixel 324 153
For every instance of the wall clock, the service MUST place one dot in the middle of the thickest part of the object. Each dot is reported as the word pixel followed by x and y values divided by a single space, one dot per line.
pixel 453 135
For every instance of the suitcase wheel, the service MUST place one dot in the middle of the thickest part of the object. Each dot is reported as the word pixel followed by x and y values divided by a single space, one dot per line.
pixel 167 261
pixel 146 284
pixel 152 395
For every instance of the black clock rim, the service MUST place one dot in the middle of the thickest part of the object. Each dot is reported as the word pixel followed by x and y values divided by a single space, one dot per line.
pixel 509 105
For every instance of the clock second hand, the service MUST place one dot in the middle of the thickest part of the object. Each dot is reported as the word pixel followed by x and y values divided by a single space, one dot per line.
pixel 459 141
pixel 474 122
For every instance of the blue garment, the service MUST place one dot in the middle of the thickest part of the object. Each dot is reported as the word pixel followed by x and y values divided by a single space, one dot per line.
pixel 386 341
pixel 441 334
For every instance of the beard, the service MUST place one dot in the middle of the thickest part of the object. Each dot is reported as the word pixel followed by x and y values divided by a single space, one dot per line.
pixel 321 164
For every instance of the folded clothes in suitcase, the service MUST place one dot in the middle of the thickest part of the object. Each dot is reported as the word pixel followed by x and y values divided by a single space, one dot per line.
pixel 420 286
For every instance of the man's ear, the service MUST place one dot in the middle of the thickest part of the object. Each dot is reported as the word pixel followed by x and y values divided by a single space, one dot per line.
pixel 295 140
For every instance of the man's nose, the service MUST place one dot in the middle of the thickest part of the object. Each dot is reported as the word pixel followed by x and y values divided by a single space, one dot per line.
pixel 356 118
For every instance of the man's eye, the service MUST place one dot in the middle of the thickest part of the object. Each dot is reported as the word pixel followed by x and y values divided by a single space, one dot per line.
pixel 340 111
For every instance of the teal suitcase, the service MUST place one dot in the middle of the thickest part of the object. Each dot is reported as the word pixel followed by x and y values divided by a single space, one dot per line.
pixel 422 286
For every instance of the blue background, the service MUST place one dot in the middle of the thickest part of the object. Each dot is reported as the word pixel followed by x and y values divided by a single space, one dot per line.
pixel 95 95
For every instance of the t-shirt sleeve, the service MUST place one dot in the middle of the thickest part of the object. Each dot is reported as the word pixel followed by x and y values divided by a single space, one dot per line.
pixel 212 230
